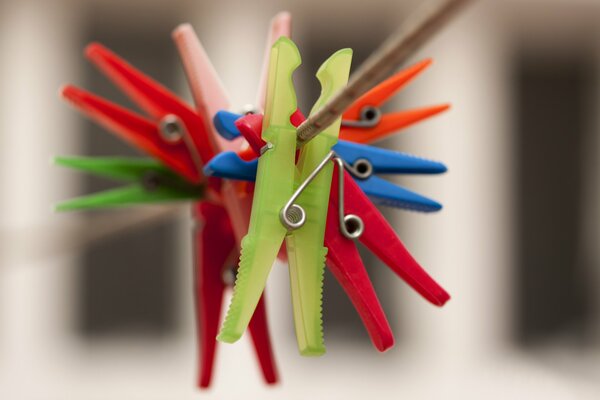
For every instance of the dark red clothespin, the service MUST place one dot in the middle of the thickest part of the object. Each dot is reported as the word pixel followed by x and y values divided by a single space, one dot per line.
pixel 378 236
pixel 216 252
pixel 176 135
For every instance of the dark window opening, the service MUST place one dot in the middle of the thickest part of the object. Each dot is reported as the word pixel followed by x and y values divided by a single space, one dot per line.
pixel 552 283
pixel 127 283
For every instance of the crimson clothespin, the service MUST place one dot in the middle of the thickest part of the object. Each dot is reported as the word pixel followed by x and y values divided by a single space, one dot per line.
pixel 215 246
pixel 379 237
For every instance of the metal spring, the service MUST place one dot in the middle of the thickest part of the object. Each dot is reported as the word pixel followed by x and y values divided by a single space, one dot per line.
pixel 293 216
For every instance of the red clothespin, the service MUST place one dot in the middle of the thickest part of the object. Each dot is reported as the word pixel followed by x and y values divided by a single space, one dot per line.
pixel 343 258
pixel 378 236
pixel 178 136
pixel 216 250
pixel 364 122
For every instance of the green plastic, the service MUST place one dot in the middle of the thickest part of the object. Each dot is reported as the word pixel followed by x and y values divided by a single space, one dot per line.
pixel 306 253
pixel 274 187
pixel 152 182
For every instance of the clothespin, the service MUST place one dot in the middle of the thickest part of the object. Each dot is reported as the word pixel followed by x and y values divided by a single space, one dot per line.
pixel 151 182
pixel 167 135
pixel 209 97
pixel 274 211
pixel 363 161
pixel 275 179
pixel 371 228
pixel 305 214
pixel 215 248
pixel 364 121
pixel 173 132
pixel 379 237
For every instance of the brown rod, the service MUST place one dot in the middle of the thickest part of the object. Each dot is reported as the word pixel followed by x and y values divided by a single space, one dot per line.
pixel 397 49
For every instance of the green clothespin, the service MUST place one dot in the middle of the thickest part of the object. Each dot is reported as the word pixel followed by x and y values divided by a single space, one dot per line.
pixel 274 186
pixel 151 182
pixel 274 213
pixel 306 253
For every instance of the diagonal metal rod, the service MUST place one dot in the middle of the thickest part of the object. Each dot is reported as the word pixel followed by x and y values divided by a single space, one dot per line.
pixel 394 51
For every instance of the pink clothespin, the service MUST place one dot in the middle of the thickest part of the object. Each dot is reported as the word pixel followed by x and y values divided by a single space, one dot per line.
pixel 210 97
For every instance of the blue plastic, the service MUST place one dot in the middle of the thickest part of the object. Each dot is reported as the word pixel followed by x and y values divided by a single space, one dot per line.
pixel 384 193
pixel 387 161
pixel 224 122
pixel 230 166
pixel 383 161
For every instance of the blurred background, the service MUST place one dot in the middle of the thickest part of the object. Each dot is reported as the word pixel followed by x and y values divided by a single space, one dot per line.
pixel 100 305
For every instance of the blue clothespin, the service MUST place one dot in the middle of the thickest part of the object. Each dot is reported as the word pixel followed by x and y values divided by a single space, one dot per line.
pixel 363 161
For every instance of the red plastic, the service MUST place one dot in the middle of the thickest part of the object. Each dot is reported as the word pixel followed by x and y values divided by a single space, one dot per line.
pixel 250 126
pixel 381 239
pixel 139 131
pixel 216 251
pixel 150 96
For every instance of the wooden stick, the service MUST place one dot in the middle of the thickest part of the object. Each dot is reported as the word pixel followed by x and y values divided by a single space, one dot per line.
pixel 394 51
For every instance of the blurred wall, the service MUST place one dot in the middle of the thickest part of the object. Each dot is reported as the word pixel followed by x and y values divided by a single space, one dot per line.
pixel 490 64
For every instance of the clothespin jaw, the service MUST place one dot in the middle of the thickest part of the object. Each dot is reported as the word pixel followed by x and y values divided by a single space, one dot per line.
pixel 364 122
pixel 151 182
pixel 274 186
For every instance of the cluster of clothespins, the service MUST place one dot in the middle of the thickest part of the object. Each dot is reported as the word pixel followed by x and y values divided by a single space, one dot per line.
pixel 254 185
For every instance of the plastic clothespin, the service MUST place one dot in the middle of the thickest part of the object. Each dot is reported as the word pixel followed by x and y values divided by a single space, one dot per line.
pixel 364 122
pixel 304 243
pixel 344 260
pixel 216 246
pixel 273 211
pixel 274 186
pixel 173 133
pixel 345 263
pixel 151 182
pixel 364 161
pixel 236 201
